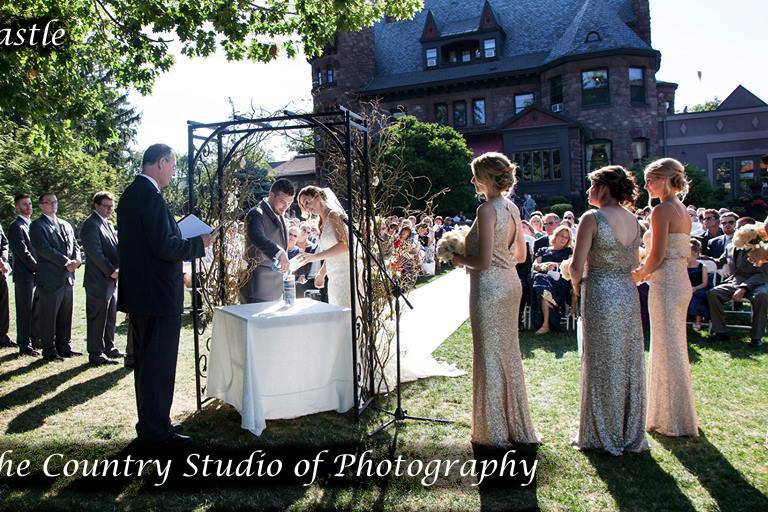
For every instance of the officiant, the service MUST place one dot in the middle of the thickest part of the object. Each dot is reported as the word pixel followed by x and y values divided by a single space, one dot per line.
pixel 267 234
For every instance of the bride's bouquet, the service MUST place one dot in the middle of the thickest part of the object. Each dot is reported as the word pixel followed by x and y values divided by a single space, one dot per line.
pixel 750 236
pixel 452 243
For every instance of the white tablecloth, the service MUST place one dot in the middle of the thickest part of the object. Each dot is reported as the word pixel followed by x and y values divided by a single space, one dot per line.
pixel 270 361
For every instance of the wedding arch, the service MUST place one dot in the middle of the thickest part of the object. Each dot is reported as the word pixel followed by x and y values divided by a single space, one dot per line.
pixel 217 169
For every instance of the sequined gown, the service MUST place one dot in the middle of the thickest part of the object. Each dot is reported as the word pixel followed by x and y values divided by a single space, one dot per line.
pixel 612 414
pixel 671 409
pixel 500 411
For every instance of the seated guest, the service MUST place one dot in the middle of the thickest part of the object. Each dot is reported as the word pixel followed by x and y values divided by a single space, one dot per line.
pixel 293 235
pixel 643 288
pixel 698 307
pixel 716 246
pixel 538 226
pixel 551 292
pixel 744 280
pixel 447 224
pixel 711 229
pixel 551 222
pixel 524 269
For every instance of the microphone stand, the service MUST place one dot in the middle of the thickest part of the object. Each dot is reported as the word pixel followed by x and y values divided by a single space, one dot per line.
pixel 399 415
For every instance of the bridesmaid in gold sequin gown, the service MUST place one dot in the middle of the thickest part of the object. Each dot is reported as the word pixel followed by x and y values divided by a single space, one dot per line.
pixel 671 410
pixel 500 411
pixel 612 412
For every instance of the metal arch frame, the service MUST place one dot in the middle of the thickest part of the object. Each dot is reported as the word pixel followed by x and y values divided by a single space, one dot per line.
pixel 340 132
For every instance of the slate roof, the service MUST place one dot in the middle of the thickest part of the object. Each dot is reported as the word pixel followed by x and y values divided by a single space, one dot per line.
pixel 741 97
pixel 537 32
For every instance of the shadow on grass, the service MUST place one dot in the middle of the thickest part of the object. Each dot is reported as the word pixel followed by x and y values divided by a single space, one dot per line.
pixel 507 492
pixel 737 348
pixel 33 364
pixel 34 390
pixel 557 342
pixel 636 480
pixel 10 356
pixel 725 484
pixel 72 396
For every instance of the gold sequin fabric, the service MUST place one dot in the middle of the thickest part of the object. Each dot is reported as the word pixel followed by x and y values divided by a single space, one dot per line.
pixel 612 409
pixel 671 410
pixel 500 412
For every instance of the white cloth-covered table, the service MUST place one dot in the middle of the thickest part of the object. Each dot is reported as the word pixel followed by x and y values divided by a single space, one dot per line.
pixel 270 361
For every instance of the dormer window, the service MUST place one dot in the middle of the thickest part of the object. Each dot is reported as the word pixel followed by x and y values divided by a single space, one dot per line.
pixel 489 48
pixel 461 52
pixel 466 56
pixel 431 56
pixel 593 37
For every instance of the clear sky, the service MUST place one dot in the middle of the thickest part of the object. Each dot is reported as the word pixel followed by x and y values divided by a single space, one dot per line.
pixel 726 40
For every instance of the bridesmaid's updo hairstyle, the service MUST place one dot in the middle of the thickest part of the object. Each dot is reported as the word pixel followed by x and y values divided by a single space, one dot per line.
pixel 495 168
pixel 672 169
pixel 619 181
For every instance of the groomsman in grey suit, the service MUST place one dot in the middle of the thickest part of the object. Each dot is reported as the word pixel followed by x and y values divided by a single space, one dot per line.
pixel 99 240
pixel 267 239
pixel 5 268
pixel 24 268
pixel 58 256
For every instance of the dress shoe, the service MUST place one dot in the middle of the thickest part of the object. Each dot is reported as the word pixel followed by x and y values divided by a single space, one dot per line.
pixel 54 357
pixel 114 354
pixel 101 360
pixel 37 343
pixel 756 343
pixel 70 353
pixel 177 428
pixel 6 341
pixel 28 351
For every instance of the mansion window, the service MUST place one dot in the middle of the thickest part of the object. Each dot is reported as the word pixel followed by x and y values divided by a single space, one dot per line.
pixel 556 93
pixel 594 87
pixel 598 154
pixel 637 85
pixel 461 52
pixel 441 113
pixel 431 55
pixel 319 79
pixel 741 175
pixel 478 112
pixel 489 48
pixel 522 101
pixel 639 149
pixel 539 164
pixel 330 77
pixel 459 113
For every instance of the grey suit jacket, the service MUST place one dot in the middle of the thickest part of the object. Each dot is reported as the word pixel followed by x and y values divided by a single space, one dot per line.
pixel 101 259
pixel 24 259
pixel 267 235
pixel 53 249
pixel 740 270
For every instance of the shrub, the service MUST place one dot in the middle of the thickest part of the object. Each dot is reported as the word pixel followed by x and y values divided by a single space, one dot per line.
pixel 559 209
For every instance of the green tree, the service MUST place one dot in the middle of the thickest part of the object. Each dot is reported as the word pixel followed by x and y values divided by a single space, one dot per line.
pixel 114 45
pixel 437 158
pixel 707 106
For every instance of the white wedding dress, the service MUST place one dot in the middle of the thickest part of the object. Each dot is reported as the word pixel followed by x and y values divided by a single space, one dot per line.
pixel 337 269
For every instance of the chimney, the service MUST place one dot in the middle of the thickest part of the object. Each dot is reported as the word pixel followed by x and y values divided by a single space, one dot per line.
pixel 642 24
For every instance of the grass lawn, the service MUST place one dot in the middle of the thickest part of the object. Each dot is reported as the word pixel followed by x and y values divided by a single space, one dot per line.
pixel 88 413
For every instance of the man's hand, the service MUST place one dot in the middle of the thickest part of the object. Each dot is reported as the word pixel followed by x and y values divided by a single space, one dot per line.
pixel 208 239
pixel 114 274
pixel 4 267
pixel 740 294
pixel 302 279
pixel 283 262
pixel 72 265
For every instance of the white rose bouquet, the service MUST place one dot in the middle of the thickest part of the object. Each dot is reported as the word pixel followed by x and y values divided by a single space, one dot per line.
pixel 451 243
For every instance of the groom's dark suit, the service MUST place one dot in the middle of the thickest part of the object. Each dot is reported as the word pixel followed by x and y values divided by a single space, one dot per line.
pixel 267 235
pixel 151 291
pixel 24 269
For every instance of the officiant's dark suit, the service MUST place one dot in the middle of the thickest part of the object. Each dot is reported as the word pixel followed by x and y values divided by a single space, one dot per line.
pixel 99 240
pixel 267 236
pixel 55 245
pixel 24 269
pixel 151 290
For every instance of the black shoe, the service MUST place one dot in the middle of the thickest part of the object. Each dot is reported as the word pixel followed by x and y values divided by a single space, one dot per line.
pixel 101 360
pixel 37 343
pixel 177 428
pixel 70 353
pixel 6 341
pixel 54 357
pixel 114 354
pixel 28 351
pixel 756 343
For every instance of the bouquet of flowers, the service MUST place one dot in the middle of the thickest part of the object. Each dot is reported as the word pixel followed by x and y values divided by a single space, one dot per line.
pixel 750 236
pixel 452 243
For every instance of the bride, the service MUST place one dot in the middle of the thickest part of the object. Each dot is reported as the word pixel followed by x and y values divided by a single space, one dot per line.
pixel 333 245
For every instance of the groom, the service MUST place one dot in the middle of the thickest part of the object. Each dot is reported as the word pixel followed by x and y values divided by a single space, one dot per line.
pixel 267 239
